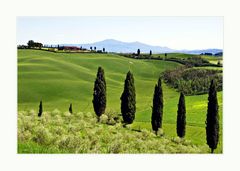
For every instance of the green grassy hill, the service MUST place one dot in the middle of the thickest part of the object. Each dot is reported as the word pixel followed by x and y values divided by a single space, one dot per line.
pixel 174 55
pixel 61 78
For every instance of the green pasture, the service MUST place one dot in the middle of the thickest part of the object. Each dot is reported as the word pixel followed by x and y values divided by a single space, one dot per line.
pixel 59 79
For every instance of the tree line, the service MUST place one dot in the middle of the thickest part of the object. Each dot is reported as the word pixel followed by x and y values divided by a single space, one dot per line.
pixel 192 81
pixel 128 107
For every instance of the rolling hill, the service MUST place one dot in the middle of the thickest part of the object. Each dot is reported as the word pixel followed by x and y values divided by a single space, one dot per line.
pixel 63 78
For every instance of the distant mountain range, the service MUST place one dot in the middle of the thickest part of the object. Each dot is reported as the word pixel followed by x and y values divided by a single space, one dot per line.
pixel 112 45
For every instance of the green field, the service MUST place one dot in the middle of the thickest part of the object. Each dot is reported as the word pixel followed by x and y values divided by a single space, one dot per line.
pixel 62 78
pixel 213 59
pixel 174 55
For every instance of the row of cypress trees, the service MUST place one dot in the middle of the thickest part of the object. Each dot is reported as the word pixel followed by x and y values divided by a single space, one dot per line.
pixel 128 107
pixel 157 111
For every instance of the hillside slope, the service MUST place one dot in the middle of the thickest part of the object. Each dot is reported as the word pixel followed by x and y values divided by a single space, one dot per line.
pixel 61 78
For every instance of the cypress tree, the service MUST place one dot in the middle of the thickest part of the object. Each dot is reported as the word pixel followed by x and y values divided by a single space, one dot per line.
pixel 157 108
pixel 99 93
pixel 181 116
pixel 128 100
pixel 40 109
pixel 138 52
pixel 212 121
pixel 70 108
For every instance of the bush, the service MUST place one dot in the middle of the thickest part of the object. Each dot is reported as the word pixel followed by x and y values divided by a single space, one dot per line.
pixel 81 134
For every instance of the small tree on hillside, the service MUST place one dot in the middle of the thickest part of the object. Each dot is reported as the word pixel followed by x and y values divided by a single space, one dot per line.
pixel 30 43
pixel 99 93
pixel 150 53
pixel 157 108
pixel 181 116
pixel 212 121
pixel 103 49
pixel 70 108
pixel 90 47
pixel 138 52
pixel 128 100
pixel 40 109
pixel 95 48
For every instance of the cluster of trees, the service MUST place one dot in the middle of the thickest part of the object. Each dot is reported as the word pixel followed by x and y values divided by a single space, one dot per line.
pixel 53 48
pixel 194 61
pixel 32 44
pixel 192 81
pixel 98 51
pixel 128 107
pixel 211 54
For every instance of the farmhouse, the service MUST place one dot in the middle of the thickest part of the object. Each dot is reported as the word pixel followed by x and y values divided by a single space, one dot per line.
pixel 71 48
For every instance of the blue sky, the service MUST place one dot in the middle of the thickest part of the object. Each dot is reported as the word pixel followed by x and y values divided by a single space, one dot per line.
pixel 173 32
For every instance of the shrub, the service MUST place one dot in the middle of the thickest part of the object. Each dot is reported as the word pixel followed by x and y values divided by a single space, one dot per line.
pixel 103 118
pixel 55 112
pixel 42 135
pixel 75 134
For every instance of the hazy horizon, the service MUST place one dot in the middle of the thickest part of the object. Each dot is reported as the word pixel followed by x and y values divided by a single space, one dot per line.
pixel 178 33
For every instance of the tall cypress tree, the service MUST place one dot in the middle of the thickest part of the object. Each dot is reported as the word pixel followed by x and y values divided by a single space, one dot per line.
pixel 181 116
pixel 157 108
pixel 70 108
pixel 99 93
pixel 40 109
pixel 128 99
pixel 138 52
pixel 212 121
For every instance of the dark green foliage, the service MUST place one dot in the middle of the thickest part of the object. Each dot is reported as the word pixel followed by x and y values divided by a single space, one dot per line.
pixel 181 116
pixel 212 121
pixel 150 53
pixel 32 44
pixel 40 109
pixel 70 108
pixel 191 61
pixel 157 108
pixel 138 52
pixel 99 93
pixel 192 81
pixel 128 100
pixel 103 50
